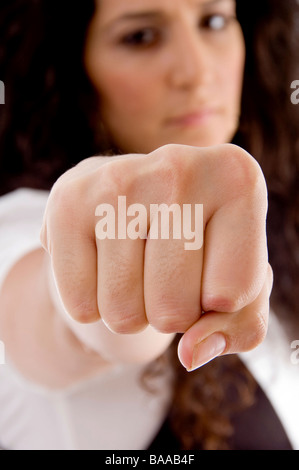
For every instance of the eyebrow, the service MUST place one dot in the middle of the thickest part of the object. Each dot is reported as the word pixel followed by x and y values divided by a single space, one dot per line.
pixel 157 13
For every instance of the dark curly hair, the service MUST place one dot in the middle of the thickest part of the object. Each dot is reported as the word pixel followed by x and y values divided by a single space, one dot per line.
pixel 48 124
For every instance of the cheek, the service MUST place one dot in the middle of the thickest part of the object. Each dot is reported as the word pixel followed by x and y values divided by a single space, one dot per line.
pixel 231 75
pixel 130 101
pixel 125 93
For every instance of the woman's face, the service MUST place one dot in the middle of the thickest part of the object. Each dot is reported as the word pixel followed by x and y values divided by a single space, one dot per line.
pixel 167 71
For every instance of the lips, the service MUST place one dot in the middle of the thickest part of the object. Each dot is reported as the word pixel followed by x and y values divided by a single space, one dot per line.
pixel 192 118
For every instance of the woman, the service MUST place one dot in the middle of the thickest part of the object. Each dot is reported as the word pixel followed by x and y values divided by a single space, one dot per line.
pixel 149 75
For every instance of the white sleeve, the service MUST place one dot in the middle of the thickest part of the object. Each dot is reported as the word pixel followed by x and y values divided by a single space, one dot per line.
pixel 21 216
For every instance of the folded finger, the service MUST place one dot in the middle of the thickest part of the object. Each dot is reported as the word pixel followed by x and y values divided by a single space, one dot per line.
pixel 120 284
pixel 217 333
pixel 172 279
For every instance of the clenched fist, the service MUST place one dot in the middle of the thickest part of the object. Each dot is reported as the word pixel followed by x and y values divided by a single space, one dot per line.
pixel 151 287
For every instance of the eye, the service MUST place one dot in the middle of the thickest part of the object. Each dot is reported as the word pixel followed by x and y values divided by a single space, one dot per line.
pixel 141 38
pixel 216 22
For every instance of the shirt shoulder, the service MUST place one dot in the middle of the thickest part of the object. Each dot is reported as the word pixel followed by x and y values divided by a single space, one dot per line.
pixel 21 216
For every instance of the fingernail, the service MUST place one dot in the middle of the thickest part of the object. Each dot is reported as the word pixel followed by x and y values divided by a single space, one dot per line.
pixel 207 350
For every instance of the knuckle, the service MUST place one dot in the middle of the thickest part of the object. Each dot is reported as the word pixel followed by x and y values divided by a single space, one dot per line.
pixel 57 198
pixel 108 178
pixel 262 326
pixel 62 206
pixel 75 287
pixel 243 171
pixel 175 320
pixel 252 336
pixel 83 311
pixel 167 324
pixel 222 303
pixel 258 330
pixel 168 151
pixel 114 178
pixel 175 167
pixel 124 321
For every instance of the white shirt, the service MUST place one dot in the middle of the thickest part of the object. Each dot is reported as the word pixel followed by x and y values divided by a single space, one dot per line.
pixel 93 414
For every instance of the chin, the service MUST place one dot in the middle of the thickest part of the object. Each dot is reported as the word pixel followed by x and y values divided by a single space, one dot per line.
pixel 202 137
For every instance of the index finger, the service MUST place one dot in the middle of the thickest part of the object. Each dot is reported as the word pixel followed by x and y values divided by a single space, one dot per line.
pixel 235 255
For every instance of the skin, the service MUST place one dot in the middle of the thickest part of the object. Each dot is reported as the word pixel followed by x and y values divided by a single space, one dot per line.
pixel 171 102
pixel 174 67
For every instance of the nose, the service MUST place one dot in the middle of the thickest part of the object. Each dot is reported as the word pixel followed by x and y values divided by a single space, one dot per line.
pixel 191 60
